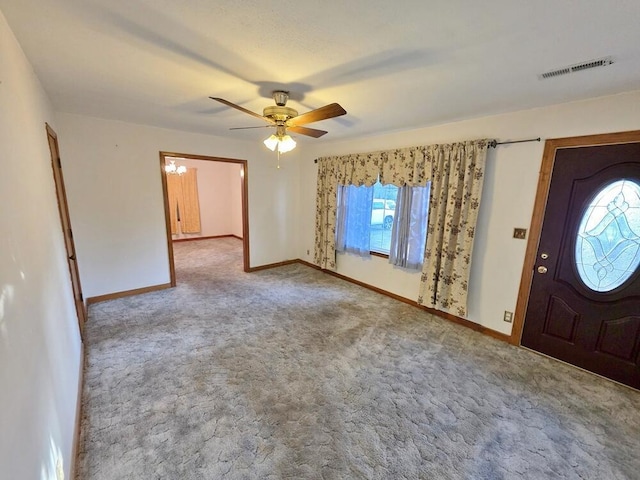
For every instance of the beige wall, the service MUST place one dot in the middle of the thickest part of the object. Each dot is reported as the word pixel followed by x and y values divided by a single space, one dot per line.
pixel 40 345
pixel 508 198
pixel 113 175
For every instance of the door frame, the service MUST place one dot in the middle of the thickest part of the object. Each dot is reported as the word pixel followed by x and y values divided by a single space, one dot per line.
pixel 65 219
pixel 244 193
pixel 539 209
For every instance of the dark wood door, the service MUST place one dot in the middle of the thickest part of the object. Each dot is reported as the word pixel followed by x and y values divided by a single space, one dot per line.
pixel 584 303
pixel 63 208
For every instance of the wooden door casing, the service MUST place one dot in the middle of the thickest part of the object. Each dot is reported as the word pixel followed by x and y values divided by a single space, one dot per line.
pixel 622 327
pixel 598 331
pixel 65 223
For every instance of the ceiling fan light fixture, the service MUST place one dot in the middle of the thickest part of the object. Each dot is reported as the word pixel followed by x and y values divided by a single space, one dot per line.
pixel 271 142
pixel 284 143
pixel 283 117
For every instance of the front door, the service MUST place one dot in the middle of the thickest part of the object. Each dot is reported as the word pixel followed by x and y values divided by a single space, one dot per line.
pixel 66 226
pixel 584 303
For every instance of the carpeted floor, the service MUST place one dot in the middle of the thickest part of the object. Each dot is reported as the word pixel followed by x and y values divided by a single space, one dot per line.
pixel 293 374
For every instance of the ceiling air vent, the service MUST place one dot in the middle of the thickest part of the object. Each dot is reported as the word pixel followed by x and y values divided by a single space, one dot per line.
pixel 601 62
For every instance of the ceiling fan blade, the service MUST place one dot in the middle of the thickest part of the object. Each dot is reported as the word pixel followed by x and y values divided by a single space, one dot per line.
pixel 245 128
pixel 310 132
pixel 328 111
pixel 242 109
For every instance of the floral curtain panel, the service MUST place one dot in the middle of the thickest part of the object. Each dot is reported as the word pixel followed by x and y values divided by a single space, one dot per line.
pixel 456 173
pixel 358 169
pixel 326 208
pixel 404 166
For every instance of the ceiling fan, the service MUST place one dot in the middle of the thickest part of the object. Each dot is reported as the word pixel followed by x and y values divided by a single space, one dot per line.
pixel 284 118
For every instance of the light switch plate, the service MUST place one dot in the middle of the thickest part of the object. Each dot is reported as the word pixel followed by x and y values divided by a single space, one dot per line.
pixel 520 233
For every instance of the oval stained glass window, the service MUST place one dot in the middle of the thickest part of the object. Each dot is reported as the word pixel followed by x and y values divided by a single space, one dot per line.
pixel 608 243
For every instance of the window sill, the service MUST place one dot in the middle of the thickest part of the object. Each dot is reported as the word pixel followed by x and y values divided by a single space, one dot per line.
pixel 378 254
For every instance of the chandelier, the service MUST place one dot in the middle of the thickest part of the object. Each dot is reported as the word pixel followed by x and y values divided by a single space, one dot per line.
pixel 174 169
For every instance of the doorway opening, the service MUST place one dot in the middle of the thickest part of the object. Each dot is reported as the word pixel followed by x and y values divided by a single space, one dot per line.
pixel 165 158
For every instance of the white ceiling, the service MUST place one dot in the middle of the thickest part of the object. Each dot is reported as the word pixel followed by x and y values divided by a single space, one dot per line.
pixel 391 65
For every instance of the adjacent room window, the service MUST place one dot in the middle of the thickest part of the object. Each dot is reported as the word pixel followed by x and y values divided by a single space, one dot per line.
pixel 383 219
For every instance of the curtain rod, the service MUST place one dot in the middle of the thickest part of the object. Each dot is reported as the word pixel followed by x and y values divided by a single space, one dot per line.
pixel 495 143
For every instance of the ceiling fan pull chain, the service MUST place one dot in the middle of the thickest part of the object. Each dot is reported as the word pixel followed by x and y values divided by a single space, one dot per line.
pixel 278 159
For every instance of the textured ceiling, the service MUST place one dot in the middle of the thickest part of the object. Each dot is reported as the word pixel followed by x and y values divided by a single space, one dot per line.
pixel 391 65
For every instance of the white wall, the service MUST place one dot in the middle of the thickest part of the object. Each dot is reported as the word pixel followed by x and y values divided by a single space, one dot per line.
pixel 508 197
pixel 219 194
pixel 113 175
pixel 39 339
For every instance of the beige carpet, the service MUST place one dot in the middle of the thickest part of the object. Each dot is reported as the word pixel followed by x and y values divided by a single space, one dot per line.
pixel 289 373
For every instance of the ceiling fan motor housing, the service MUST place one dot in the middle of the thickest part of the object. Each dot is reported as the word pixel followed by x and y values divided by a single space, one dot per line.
pixel 280 113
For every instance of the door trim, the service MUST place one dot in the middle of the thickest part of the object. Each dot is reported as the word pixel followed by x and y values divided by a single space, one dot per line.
pixel 65 219
pixel 535 229
pixel 245 205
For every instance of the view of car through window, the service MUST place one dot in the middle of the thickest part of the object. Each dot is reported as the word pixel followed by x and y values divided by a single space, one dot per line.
pixel 382 214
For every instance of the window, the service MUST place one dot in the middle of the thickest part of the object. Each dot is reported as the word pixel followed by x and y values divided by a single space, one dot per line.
pixel 374 220
pixel 383 212
pixel 608 243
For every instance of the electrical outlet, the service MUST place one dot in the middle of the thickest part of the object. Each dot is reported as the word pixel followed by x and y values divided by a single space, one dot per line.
pixel 307 252
pixel 508 316
pixel 520 233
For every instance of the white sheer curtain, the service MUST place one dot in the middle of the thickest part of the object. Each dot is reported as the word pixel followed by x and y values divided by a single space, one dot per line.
pixel 332 173
pixel 409 231
pixel 354 219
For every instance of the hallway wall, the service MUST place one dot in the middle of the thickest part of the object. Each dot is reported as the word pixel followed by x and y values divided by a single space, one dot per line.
pixel 40 347
pixel 114 186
